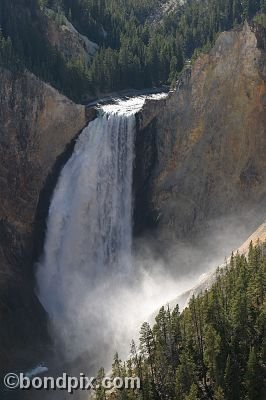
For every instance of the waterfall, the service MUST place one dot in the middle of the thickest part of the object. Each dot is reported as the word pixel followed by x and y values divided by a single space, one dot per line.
pixel 87 251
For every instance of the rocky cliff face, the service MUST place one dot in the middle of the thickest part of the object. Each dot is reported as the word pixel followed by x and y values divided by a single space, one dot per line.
pixel 208 142
pixel 200 154
pixel 37 125
pixel 70 43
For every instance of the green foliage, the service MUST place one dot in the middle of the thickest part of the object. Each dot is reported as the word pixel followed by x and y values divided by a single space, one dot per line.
pixel 254 376
pixel 219 394
pixel 7 56
pixel 260 25
pixel 193 394
pixel 215 349
pixel 24 44
pixel 133 52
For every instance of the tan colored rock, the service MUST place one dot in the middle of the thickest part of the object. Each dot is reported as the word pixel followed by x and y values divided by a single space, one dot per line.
pixel 210 140
pixel 70 43
pixel 37 124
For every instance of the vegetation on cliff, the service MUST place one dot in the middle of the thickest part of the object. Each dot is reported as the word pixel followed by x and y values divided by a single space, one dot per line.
pixel 134 53
pixel 215 349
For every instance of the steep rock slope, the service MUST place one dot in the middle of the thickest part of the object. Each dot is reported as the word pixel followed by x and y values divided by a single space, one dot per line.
pixel 208 141
pixel 166 7
pixel 36 126
pixel 259 236
pixel 70 43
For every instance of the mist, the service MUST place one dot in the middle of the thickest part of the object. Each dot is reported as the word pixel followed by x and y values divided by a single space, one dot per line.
pixel 96 284
pixel 100 319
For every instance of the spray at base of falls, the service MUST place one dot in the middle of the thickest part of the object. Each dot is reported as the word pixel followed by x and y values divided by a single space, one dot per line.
pixel 86 275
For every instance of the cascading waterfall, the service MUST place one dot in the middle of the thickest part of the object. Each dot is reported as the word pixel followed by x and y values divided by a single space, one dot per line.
pixel 87 253
pixel 89 226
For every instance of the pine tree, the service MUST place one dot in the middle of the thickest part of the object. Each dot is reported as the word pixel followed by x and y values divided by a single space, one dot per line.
pixel 185 375
pixel 231 378
pixel 219 394
pixel 212 346
pixel 100 392
pixel 193 394
pixel 227 323
pixel 253 381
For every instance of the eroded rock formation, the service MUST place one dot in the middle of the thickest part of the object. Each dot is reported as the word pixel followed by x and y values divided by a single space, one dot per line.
pixel 70 43
pixel 208 139
pixel 37 125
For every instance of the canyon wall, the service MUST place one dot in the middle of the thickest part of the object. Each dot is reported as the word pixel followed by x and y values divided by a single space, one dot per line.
pixel 67 40
pixel 200 155
pixel 37 126
pixel 208 143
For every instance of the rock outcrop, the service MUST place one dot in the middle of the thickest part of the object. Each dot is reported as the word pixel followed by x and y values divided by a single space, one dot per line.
pixel 163 10
pixel 37 126
pixel 208 142
pixel 70 43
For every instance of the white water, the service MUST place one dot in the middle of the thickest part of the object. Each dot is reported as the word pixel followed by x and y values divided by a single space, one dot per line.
pixel 87 253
